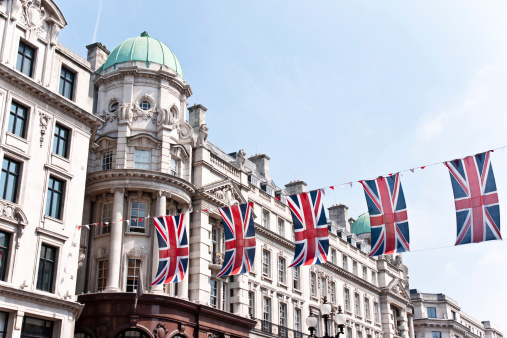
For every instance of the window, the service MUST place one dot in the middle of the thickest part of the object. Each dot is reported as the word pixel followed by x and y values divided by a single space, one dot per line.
pixel 107 160
pixel 266 262
pixel 297 320
pixel 347 299
pixel 283 315
pixel 26 56
pixel 333 293
pixel 142 159
pixel 432 312
pixel 133 266
pixel 453 315
pixel 145 105
pixel 67 83
pixel 366 308
pixel 265 219
pixel 47 260
pixel 54 201
pixel 357 303
pixel 323 289
pixel 376 312
pixel 224 296
pixel 175 167
pixel 266 306
pixel 251 304
pixel 107 212
pixel 270 190
pixel 5 240
pixel 35 327
pixel 4 320
pixel 349 332
pixel 365 273
pixel 313 284
pixel 253 180
pixel 359 334
pixel 213 296
pixel 354 268
pixel 137 216
pixel 133 333
pixel 345 263
pixel 295 275
pixel 281 227
pixel 374 278
pixel 281 270
pixel 9 179
pixel 333 256
pixel 17 120
pixel 102 275
pixel 61 141
pixel 436 334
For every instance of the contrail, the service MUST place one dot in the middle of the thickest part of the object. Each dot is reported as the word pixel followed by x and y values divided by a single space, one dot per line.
pixel 97 23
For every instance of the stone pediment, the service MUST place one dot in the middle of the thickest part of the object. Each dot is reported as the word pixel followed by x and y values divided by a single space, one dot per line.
pixel 397 287
pixel 225 193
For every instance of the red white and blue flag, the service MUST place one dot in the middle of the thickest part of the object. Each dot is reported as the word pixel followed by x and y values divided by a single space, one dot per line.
pixel 173 249
pixel 239 239
pixel 475 199
pixel 388 215
pixel 310 228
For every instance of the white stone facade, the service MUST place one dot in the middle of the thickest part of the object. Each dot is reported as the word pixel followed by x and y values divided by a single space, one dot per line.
pixel 39 237
pixel 439 316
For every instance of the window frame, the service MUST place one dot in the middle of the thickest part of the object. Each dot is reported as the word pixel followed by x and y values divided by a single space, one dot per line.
pixel 144 227
pixel 281 227
pixel 251 304
pixel 4 259
pixel 66 82
pixel 106 160
pixel 346 299
pixel 133 277
pixel 8 174
pixel 313 284
pixel 266 266
pixel 265 219
pixel 57 138
pixel 33 60
pixel 142 165
pixel 213 293
pixel 282 314
pixel 357 304
pixel 42 262
pixel 102 273
pixel 367 312
pixel 296 278
pixel 45 321
pixel 15 115
pixel 176 168
pixel 266 304
pixel 106 228
pixel 49 201
pixel 433 311
pixel 297 319
pixel 282 268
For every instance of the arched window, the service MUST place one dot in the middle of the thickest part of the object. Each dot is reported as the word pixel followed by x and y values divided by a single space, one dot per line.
pixel 81 335
pixel 132 334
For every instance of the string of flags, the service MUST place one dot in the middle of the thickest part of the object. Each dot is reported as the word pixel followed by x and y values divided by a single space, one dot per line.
pixel 477 220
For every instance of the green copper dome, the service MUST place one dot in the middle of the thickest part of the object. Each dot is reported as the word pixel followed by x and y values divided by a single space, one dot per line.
pixel 361 225
pixel 143 48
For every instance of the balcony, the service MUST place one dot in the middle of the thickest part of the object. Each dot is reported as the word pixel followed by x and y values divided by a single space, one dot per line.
pixel 217 258
pixel 273 330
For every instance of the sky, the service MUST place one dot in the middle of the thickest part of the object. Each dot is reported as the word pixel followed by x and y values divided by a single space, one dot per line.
pixel 338 91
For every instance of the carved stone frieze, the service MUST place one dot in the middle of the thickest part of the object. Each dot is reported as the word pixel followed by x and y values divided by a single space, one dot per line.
pixel 43 123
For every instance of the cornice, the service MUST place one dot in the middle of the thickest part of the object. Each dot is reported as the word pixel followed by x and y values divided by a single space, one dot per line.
pixel 128 174
pixel 41 299
pixel 451 323
pixel 63 105
pixel 121 72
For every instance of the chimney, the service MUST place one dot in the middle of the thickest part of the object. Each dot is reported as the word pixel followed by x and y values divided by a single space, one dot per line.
pixel 261 161
pixel 97 55
pixel 197 116
pixel 340 214
pixel 296 187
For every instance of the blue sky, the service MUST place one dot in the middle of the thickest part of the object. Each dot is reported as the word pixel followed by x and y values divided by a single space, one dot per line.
pixel 335 91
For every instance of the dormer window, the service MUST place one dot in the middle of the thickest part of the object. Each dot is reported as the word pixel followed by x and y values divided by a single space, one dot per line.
pixel 269 190
pixel 145 105
pixel 253 180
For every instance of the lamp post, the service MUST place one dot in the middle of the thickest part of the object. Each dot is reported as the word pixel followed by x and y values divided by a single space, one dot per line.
pixel 325 311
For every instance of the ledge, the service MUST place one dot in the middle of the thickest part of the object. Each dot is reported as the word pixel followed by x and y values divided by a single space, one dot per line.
pixel 52 234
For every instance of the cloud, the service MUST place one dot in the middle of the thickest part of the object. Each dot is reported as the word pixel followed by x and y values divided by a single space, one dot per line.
pixel 94 39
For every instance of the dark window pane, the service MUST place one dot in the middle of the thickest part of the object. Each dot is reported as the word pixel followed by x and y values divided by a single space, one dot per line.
pixel 66 83
pixel 17 119
pixel 9 180
pixel 54 200
pixel 61 140
pixel 24 62
pixel 45 275
pixel 36 328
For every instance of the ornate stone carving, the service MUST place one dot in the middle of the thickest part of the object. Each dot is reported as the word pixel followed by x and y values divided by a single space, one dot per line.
pixel 160 331
pixel 43 123
pixel 55 29
pixel 202 136
pixel 33 16
pixel 240 159
pixel 145 115
pixel 185 130
pixel 181 327
pixel 103 329
pixel 125 112
pixel 226 195
pixel 168 117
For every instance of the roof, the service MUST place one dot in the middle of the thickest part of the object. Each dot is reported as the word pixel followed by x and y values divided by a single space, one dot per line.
pixel 146 49
pixel 361 225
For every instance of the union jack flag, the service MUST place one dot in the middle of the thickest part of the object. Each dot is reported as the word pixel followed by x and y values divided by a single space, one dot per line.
pixel 172 249
pixel 388 215
pixel 239 239
pixel 475 198
pixel 310 228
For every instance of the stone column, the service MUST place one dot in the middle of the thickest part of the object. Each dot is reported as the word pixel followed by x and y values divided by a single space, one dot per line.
pixel 411 326
pixel 161 208
pixel 116 241
pixel 183 285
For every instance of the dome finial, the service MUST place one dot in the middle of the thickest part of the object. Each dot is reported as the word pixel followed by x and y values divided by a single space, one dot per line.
pixel 145 34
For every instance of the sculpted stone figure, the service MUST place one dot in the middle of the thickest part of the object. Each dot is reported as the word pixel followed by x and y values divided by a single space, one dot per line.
pixel 203 135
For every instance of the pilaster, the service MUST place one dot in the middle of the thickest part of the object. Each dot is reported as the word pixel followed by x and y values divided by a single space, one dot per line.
pixel 116 240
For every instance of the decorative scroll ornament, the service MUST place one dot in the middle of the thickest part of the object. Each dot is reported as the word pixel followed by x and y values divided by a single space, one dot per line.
pixel 44 121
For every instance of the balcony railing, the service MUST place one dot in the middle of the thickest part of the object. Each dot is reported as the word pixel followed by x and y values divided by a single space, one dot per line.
pixel 274 330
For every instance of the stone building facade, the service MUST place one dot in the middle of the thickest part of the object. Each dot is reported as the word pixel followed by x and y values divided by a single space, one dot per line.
pixel 46 126
pixel 439 316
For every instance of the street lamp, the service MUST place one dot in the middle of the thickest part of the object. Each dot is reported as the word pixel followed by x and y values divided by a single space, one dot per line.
pixel 325 311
